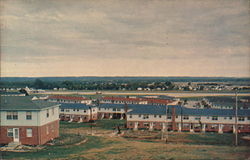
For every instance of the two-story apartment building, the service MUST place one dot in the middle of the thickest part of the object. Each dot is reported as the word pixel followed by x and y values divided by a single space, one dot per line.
pixel 28 122
pixel 122 100
pixel 178 118
pixel 112 111
pixel 77 112
pixel 69 99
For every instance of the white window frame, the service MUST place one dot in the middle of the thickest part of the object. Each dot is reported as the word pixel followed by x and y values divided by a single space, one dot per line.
pixel 29 132
pixel 10 131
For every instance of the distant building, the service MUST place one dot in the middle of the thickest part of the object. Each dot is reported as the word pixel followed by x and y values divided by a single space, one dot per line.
pixel 78 112
pixel 111 111
pixel 69 99
pixel 123 100
pixel 12 93
pixel 28 122
pixel 179 118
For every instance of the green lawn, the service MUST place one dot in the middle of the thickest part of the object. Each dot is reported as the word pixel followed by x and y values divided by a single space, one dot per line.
pixel 108 124
pixel 59 150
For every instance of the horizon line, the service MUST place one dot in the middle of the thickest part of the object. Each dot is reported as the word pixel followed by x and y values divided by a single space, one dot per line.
pixel 127 76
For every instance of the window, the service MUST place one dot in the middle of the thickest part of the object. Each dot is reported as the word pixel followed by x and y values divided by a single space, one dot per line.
pixel 197 118
pixel 130 116
pixel 208 117
pixel 28 115
pixel 176 116
pixel 47 115
pixel 139 115
pixel 12 115
pixel 159 116
pixel 248 118
pixel 145 124
pixel 119 109
pixel 241 118
pixel 9 115
pixel 169 117
pixel 62 110
pixel 145 116
pixel 155 116
pixel 225 117
pixel 67 110
pixel 10 132
pixel 85 111
pixel 114 109
pixel 15 115
pixel 52 128
pixel 77 110
pixel 215 118
pixel 74 110
pixel 230 117
pixel 186 117
pixel 47 129
pixel 29 132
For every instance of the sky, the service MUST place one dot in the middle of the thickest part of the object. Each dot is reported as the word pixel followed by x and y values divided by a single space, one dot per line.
pixel 125 38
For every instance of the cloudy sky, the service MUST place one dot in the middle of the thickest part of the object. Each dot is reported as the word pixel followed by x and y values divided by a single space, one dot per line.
pixel 125 38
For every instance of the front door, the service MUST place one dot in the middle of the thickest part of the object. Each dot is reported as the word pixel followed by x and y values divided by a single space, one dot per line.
pixel 16 134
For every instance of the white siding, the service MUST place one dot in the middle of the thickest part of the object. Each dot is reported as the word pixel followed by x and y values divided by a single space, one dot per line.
pixel 52 117
pixel 205 119
pixel 150 118
pixel 21 121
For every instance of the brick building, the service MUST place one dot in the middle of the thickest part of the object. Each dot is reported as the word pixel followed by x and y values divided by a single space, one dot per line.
pixel 178 118
pixel 28 122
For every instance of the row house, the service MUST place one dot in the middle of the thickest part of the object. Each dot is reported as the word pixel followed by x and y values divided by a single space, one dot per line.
pixel 77 112
pixel 178 118
pixel 123 100
pixel 112 111
pixel 69 99
pixel 28 122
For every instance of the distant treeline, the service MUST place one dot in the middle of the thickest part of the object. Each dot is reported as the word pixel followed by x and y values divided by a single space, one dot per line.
pixel 89 85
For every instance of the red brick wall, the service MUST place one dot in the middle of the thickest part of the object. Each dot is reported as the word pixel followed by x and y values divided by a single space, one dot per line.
pixel 52 133
pixel 39 135
pixel 4 139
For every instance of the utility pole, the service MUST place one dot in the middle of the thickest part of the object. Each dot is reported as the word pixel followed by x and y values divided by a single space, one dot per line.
pixel 236 119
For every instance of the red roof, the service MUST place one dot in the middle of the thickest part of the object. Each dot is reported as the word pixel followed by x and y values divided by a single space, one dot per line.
pixel 123 99
pixel 68 98
pixel 158 101
pixel 149 100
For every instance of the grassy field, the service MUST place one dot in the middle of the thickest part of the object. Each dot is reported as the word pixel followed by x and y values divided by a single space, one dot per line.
pixel 104 144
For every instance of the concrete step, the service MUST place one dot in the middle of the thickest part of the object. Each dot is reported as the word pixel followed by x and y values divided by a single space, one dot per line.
pixel 13 145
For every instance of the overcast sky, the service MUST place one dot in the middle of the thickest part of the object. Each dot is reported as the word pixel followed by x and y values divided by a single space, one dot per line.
pixel 125 38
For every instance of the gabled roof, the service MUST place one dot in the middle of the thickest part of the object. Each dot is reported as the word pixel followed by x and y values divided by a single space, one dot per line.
pixel 207 112
pixel 149 100
pixel 75 106
pixel 73 98
pixel 147 109
pixel 123 99
pixel 108 105
pixel 23 103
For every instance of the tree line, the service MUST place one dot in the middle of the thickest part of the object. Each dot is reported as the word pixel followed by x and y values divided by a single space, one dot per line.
pixel 90 85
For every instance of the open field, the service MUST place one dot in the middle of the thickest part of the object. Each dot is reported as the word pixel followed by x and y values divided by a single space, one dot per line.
pixel 136 93
pixel 105 144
